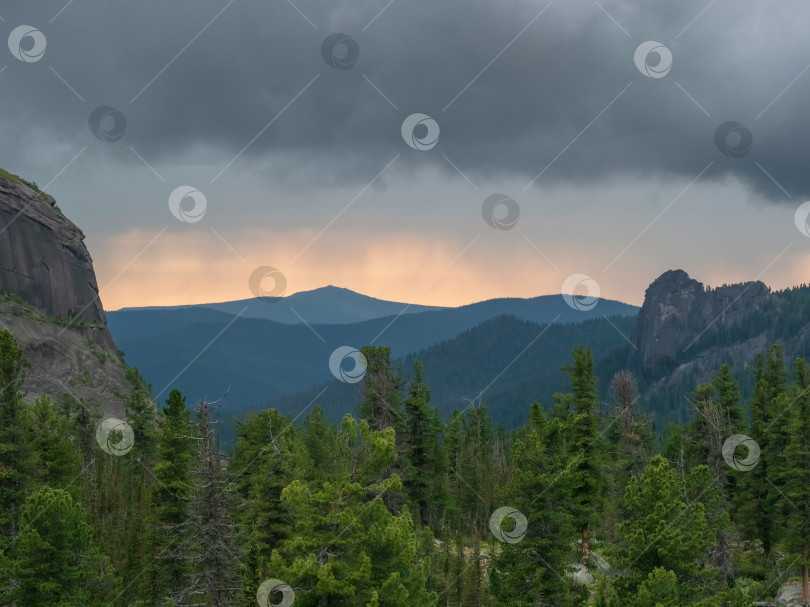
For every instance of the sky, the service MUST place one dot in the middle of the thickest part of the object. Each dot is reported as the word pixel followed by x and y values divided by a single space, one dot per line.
pixel 437 152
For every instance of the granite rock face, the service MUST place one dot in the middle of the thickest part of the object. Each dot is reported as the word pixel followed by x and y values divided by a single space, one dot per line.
pixel 43 258
pixel 49 301
pixel 679 310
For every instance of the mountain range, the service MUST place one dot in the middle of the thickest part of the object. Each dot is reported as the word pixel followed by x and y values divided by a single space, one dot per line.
pixel 504 353
pixel 327 305
pixel 206 352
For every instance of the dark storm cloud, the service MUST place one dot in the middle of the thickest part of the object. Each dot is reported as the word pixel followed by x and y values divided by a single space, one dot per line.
pixel 530 106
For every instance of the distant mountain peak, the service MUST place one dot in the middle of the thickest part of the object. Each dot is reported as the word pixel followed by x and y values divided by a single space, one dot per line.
pixel 328 290
pixel 334 288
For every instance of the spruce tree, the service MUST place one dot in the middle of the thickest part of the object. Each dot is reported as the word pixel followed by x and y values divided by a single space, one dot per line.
pixel 171 497
pixel 261 467
pixel 586 447
pixel 422 447
pixel 381 400
pixel 796 473
pixel 760 508
pixel 533 570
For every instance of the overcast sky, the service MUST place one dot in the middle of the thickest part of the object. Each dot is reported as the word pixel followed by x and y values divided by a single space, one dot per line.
pixel 303 144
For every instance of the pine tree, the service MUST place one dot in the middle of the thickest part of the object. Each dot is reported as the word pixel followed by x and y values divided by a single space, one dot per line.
pixel 55 456
pixel 141 416
pixel 718 416
pixel 663 531
pixel 15 455
pixel 660 589
pixel 704 486
pixel 450 449
pixel 135 470
pixel 727 396
pixel 83 422
pixel 323 454
pixel 53 558
pixel 473 484
pixel 473 578
pixel 345 546
pixel 628 447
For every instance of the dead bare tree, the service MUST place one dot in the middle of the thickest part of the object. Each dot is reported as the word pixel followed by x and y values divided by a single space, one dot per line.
pixel 718 427
pixel 628 422
pixel 209 536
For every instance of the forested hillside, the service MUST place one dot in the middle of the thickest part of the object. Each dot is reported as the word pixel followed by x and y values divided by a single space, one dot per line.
pixel 461 371
pixel 200 350
pixel 683 333
pixel 394 506
pixel 687 330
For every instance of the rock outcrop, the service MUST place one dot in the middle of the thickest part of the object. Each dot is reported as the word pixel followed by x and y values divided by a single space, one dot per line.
pixel 43 259
pixel 49 301
pixel 678 311
pixel 790 593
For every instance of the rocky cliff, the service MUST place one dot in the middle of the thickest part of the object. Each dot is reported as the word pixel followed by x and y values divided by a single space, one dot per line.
pixel 686 331
pixel 49 301
pixel 679 311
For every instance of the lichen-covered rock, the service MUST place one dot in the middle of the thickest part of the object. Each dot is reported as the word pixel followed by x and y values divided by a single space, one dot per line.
pixel 49 301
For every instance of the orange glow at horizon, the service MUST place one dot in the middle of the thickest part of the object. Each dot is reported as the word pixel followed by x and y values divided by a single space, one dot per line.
pixel 199 268
pixel 196 268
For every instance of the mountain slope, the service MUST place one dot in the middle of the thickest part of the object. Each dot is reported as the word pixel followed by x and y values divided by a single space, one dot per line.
pixel 324 306
pixel 684 333
pixel 203 352
pixel 49 301
pixel 505 362
pixel 333 305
